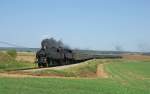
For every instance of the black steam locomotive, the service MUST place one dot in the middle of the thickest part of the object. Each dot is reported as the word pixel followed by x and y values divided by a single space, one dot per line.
pixel 55 53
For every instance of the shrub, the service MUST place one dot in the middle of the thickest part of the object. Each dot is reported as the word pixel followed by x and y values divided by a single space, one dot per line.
pixel 12 53
pixel 4 57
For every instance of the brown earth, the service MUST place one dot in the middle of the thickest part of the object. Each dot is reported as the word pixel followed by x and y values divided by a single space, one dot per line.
pixel 19 75
pixel 25 75
pixel 136 57
pixel 101 72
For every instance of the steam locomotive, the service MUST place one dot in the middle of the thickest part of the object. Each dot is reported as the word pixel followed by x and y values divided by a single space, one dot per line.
pixel 55 53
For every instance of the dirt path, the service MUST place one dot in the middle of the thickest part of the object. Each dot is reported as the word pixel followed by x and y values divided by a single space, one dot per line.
pixel 10 75
pixel 100 71
pixel 18 75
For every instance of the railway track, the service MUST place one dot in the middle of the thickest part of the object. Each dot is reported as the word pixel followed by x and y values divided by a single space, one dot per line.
pixel 48 68
pixel 52 68
pixel 21 73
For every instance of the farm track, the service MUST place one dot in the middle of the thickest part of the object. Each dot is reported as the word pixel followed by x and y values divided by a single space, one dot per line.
pixel 101 73
pixel 16 75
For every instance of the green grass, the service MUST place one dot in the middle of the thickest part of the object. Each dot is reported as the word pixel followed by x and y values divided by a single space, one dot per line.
pixel 65 86
pixel 86 69
pixel 8 63
pixel 15 65
pixel 125 77
pixel 131 73
pixel 135 68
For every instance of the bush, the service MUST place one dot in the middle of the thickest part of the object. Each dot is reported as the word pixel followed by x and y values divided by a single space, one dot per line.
pixel 4 57
pixel 12 53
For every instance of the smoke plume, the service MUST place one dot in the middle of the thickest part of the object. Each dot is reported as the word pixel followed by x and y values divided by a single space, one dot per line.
pixel 51 42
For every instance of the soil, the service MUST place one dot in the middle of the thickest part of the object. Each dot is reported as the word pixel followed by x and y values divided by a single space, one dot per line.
pixel 136 57
pixel 101 72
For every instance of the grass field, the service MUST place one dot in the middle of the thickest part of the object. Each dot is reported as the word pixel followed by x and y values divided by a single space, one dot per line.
pixel 67 86
pixel 8 63
pixel 15 65
pixel 124 77
pixel 132 74
pixel 85 69
pixel 26 56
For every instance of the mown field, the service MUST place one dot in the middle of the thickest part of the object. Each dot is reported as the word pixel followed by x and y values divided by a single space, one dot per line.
pixel 124 77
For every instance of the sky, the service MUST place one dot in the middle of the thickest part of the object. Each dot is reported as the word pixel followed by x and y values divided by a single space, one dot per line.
pixel 83 24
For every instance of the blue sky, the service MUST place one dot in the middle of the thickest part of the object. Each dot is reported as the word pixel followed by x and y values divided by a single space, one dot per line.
pixel 85 24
